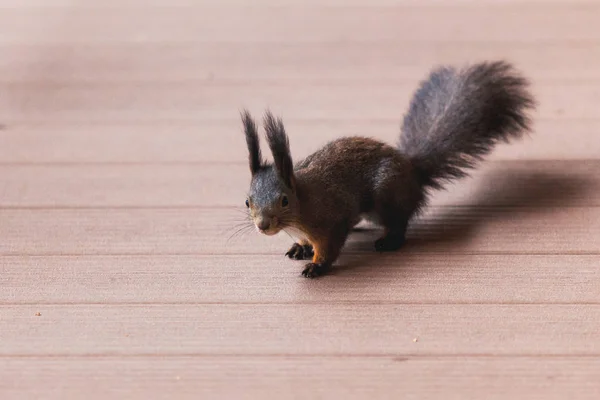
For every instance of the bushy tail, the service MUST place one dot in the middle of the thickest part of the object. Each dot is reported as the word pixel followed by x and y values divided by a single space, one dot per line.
pixel 457 116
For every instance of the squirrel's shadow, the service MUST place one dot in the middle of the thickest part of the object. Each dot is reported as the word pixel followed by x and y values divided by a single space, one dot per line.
pixel 526 193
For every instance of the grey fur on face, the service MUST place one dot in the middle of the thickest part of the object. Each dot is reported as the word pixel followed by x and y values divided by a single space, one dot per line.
pixel 270 201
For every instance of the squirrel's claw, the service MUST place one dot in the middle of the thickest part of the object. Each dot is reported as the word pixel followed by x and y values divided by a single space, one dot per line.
pixel 313 270
pixel 296 252
pixel 299 252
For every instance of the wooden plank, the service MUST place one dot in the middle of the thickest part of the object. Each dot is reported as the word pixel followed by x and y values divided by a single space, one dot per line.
pixel 172 142
pixel 138 289
pixel 91 4
pixel 260 377
pixel 554 22
pixel 276 329
pixel 200 102
pixel 398 278
pixel 275 63
pixel 472 230
pixel 507 184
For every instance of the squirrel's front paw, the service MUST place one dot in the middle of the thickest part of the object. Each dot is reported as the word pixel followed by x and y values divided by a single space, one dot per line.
pixel 313 270
pixel 299 252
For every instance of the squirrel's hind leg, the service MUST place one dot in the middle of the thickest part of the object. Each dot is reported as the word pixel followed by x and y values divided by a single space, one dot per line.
pixel 397 196
pixel 395 232
pixel 393 240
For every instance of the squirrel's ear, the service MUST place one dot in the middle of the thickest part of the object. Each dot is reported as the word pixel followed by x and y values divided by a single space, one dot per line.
pixel 252 141
pixel 280 147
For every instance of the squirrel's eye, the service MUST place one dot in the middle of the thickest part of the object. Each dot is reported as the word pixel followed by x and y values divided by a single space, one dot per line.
pixel 284 201
pixel 247 203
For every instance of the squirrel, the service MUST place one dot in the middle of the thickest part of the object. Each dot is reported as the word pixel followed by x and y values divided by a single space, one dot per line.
pixel 454 119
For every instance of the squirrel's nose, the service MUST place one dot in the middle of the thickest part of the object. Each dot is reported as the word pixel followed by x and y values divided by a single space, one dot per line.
pixel 263 224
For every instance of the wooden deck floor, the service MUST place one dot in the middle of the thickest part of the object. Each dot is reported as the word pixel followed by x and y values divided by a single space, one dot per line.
pixel 122 168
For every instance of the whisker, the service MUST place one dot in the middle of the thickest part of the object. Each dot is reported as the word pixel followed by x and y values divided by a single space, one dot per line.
pixel 237 235
pixel 240 218
pixel 240 232
pixel 291 237
pixel 237 214
pixel 245 212
pixel 240 224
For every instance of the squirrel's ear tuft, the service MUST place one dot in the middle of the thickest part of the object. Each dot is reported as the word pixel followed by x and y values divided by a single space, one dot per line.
pixel 255 158
pixel 279 144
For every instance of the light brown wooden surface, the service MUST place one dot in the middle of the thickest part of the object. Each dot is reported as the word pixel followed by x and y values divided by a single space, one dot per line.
pixel 123 174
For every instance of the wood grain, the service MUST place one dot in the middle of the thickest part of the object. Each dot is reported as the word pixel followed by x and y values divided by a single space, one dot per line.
pixel 275 329
pixel 128 4
pixel 554 22
pixel 495 184
pixel 207 231
pixel 395 278
pixel 319 63
pixel 149 102
pixel 456 378
pixel 189 142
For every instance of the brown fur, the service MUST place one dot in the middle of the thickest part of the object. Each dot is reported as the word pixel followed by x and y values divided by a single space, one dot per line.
pixel 332 200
